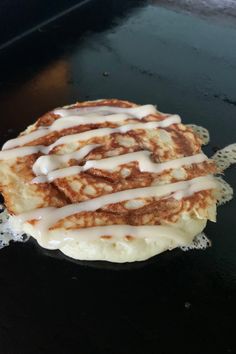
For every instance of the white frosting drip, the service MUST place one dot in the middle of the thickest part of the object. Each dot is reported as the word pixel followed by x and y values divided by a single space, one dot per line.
pixel 180 190
pixel 144 161
pixel 137 112
pixel 27 150
pixel 46 164
pixel 111 163
pixel 25 139
pixel 71 121
pixel 62 173
pixel 175 119
pixel 50 167
pixel 20 152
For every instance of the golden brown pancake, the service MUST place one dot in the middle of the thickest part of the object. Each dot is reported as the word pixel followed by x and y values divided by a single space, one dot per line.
pixel 186 216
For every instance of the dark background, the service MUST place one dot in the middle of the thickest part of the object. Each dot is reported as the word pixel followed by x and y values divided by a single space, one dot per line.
pixel 180 56
pixel 18 17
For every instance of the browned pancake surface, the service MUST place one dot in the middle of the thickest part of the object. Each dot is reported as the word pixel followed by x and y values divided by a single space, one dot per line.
pixel 173 142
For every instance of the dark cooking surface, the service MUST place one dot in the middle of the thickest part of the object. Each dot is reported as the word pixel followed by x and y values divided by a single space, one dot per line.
pixel 178 302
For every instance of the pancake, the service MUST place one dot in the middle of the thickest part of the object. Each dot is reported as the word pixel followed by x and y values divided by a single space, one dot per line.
pixel 108 180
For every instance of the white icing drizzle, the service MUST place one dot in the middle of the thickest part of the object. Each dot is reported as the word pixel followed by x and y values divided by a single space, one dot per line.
pixel 111 163
pixel 20 152
pixel 27 150
pixel 71 121
pixel 45 164
pixel 25 139
pixel 144 161
pixel 36 214
pixel 48 168
pixel 137 112
pixel 62 173
pixel 201 132
pixel 175 119
pixel 180 190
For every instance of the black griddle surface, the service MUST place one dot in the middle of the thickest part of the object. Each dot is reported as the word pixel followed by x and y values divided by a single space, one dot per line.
pixel 177 302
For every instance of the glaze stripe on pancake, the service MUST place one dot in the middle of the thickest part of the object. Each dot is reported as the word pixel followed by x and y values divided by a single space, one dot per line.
pixel 101 132
pixel 48 163
pixel 135 112
pixel 25 139
pixel 182 189
pixel 50 166
pixel 61 173
pixel 20 152
pixel 138 113
pixel 10 144
pixel 110 163
pixel 176 190
pixel 71 121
